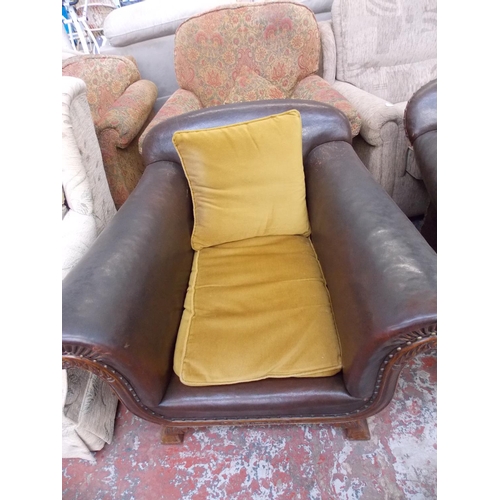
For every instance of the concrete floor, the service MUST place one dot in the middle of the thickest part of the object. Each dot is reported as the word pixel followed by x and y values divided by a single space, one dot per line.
pixel 275 462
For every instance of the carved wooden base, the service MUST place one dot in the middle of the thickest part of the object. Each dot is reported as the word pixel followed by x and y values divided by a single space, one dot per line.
pixel 171 435
pixel 404 347
pixel 358 431
pixel 355 431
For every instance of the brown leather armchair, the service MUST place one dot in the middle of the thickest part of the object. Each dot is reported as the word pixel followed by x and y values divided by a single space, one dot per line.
pixel 122 303
pixel 421 129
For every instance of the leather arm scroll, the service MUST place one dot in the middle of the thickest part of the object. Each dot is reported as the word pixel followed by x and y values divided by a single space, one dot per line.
pixel 122 303
pixel 420 114
pixel 380 271
pixel 421 129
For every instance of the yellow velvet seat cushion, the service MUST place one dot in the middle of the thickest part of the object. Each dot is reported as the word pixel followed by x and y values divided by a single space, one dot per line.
pixel 246 179
pixel 256 308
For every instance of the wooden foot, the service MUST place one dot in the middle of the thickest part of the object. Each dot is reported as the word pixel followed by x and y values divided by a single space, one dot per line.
pixel 358 431
pixel 171 435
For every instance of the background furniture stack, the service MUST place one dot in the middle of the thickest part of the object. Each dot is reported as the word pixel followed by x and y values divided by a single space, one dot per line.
pixel 95 12
pixel 378 54
pixel 248 52
pixel 146 31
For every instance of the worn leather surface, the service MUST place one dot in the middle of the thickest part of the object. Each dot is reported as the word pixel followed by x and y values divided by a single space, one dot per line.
pixel 421 111
pixel 265 398
pixel 380 271
pixel 125 297
pixel 320 123
pixel 429 226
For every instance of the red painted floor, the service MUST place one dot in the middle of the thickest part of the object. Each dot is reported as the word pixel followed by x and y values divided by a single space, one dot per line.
pixel 311 462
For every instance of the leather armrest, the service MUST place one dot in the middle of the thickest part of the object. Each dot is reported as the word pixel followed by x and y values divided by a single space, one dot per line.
pixel 374 111
pixel 122 303
pixel 380 271
pixel 129 112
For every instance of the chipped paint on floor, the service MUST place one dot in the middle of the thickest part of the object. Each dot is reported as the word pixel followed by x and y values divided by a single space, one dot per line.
pixel 313 462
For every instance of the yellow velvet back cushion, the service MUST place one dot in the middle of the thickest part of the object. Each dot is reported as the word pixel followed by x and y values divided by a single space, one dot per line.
pixel 256 308
pixel 246 179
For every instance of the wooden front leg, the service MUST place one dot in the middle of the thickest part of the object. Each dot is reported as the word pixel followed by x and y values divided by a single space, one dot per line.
pixel 171 435
pixel 358 431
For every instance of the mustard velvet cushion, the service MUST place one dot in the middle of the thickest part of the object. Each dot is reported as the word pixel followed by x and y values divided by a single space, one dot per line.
pixel 246 179
pixel 255 309
pixel 249 86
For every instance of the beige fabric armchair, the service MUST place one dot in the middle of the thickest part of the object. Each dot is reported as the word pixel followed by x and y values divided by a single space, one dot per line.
pixel 377 54
pixel 89 405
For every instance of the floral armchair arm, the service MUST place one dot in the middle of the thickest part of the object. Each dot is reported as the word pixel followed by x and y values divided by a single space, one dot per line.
pixel 180 102
pixel 129 112
pixel 316 88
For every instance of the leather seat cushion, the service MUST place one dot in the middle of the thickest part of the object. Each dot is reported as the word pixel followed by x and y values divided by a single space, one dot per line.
pixel 255 309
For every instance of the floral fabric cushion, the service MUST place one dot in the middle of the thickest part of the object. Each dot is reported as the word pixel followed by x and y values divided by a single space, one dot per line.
pixel 278 41
pixel 249 86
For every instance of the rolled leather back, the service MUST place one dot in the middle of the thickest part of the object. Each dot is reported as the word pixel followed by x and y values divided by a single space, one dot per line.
pixel 320 123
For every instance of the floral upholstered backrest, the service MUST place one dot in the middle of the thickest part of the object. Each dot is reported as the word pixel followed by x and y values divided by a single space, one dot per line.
pixel 278 41
pixel 106 78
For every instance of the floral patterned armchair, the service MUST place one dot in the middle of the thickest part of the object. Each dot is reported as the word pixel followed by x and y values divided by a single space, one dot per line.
pixel 121 105
pixel 248 52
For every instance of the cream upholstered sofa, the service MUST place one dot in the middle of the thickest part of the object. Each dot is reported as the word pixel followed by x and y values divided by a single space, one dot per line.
pixel 377 54
pixel 89 405
pixel 146 31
